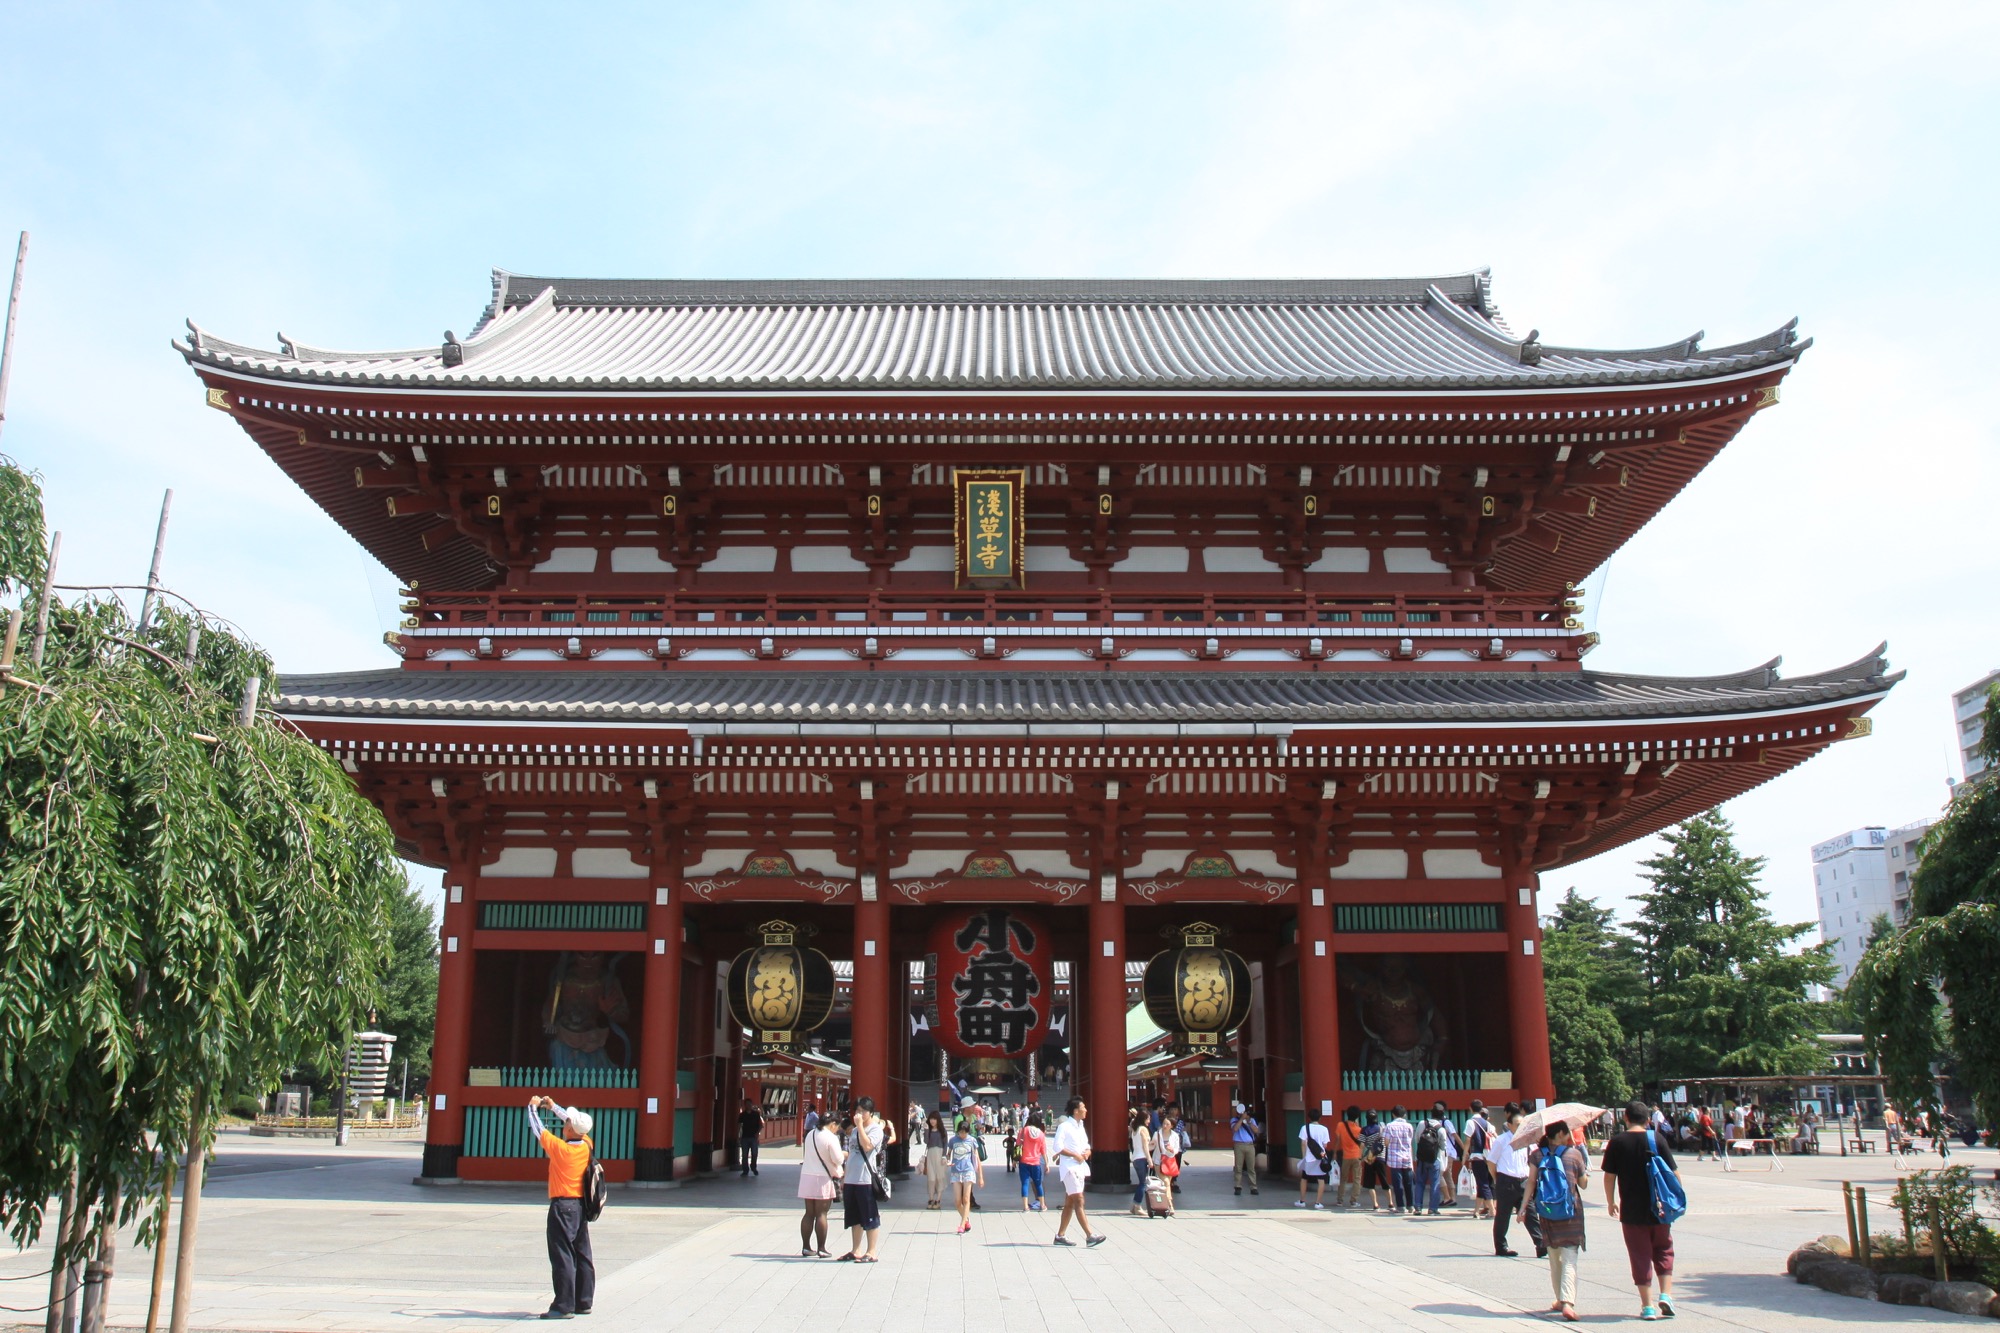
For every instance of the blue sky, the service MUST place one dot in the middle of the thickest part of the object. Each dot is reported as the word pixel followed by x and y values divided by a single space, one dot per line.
pixel 350 173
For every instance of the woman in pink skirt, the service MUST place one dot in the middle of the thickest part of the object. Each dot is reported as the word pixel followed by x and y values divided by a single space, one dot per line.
pixel 819 1186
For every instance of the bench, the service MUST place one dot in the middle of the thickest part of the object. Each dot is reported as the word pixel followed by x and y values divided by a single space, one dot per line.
pixel 1749 1148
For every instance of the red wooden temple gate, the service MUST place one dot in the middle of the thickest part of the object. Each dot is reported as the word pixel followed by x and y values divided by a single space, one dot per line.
pixel 1129 603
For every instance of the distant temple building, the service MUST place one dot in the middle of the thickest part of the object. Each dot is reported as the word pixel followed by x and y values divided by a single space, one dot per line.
pixel 982 638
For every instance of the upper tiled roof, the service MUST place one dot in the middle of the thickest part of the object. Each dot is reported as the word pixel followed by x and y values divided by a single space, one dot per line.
pixel 1046 334
pixel 1164 698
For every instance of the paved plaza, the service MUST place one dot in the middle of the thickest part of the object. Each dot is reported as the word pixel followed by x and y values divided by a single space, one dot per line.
pixel 302 1236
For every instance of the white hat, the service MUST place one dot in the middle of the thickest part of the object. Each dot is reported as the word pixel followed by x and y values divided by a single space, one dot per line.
pixel 1238 1106
pixel 579 1121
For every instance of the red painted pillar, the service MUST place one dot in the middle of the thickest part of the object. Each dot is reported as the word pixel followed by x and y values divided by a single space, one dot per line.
pixel 1527 1001
pixel 1280 1060
pixel 707 1068
pixel 659 1037
pixel 1110 1160
pixel 444 1137
pixel 1079 1023
pixel 872 984
pixel 1319 1003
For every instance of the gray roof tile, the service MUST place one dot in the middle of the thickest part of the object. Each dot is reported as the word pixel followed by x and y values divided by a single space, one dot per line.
pixel 1298 698
pixel 1231 334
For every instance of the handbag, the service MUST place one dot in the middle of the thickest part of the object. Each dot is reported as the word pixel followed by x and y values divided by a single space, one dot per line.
pixel 877 1182
pixel 1170 1165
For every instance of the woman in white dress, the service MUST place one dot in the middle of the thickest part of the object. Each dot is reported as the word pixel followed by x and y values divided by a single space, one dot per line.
pixel 819 1185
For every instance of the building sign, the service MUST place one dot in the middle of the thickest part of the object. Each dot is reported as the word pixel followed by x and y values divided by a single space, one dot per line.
pixel 989 527
pixel 989 983
pixel 1863 838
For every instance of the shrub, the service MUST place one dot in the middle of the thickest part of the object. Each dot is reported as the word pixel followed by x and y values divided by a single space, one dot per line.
pixel 244 1105
pixel 1951 1189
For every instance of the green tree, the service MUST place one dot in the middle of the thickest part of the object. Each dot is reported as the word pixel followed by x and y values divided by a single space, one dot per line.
pixel 1724 990
pixel 1947 949
pixel 407 991
pixel 1586 974
pixel 192 901
pixel 24 538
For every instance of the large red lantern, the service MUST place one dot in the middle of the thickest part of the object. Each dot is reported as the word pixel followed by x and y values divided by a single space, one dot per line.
pixel 990 983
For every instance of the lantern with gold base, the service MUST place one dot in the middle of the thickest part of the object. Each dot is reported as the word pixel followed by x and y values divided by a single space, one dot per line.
pixel 1200 992
pixel 779 990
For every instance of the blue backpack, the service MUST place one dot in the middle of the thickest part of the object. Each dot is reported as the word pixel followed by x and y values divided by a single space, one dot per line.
pixel 1670 1201
pixel 1553 1199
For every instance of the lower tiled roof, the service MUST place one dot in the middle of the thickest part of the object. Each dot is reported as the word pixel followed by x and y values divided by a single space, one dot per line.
pixel 1294 698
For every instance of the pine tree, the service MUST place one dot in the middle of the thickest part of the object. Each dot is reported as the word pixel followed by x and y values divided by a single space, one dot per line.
pixel 407 988
pixel 1724 990
pixel 1586 975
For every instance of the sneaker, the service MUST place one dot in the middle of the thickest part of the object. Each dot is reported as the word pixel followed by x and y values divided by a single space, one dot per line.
pixel 1065 1240
pixel 1319 1207
pixel 557 1314
pixel 1137 1211
pixel 1649 1312
pixel 1239 1189
pixel 1255 1190
pixel 1095 1240
pixel 1666 1307
pixel 1298 1203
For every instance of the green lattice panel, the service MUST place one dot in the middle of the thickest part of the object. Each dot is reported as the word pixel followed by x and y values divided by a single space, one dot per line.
pixel 502 1131
pixel 562 916
pixel 1415 918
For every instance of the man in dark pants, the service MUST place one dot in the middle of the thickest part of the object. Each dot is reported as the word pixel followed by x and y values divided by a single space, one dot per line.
pixel 1510 1184
pixel 571 1268
pixel 749 1129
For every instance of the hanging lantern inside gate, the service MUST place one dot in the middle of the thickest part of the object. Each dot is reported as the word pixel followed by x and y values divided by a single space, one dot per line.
pixel 1200 991
pixel 988 983
pixel 780 990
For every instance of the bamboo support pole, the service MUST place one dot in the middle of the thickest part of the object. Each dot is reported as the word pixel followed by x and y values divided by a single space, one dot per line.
pixel 42 605
pixel 7 338
pixel 1863 1254
pixel 153 574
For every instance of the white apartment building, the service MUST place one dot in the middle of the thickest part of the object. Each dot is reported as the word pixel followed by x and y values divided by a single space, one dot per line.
pixel 1851 879
pixel 1859 876
pixel 1966 707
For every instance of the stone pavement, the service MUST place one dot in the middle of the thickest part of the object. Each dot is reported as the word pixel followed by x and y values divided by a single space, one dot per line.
pixel 304 1236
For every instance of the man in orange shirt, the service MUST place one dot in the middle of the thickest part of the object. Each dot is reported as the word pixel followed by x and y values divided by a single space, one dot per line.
pixel 570 1265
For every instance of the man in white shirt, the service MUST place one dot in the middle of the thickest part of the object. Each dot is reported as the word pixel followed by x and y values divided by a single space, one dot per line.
pixel 1479 1133
pixel 1510 1186
pixel 1315 1158
pixel 1072 1163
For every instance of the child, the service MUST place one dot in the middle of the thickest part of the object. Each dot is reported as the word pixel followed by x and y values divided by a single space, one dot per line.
pixel 962 1158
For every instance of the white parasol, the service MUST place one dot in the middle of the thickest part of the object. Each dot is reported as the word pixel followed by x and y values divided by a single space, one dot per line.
pixel 1574 1114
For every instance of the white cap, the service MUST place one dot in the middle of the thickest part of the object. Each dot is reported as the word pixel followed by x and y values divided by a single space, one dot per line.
pixel 580 1121
pixel 1238 1106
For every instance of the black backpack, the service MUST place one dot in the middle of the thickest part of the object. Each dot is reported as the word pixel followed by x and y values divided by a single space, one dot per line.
pixel 596 1190
pixel 1430 1142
